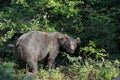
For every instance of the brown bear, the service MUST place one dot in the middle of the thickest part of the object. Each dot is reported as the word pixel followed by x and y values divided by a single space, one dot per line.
pixel 36 45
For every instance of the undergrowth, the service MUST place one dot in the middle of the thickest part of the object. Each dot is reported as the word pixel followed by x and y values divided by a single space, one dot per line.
pixel 79 70
pixel 70 68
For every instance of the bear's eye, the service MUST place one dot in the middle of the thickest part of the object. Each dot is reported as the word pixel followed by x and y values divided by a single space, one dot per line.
pixel 73 44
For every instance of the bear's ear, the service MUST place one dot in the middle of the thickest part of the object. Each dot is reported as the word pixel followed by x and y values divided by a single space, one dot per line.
pixel 66 36
pixel 77 40
pixel 63 39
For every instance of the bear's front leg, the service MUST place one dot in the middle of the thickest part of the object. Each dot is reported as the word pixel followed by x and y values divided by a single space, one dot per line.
pixel 34 66
pixel 51 59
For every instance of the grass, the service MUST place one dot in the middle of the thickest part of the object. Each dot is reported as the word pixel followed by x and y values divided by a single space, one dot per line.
pixel 74 69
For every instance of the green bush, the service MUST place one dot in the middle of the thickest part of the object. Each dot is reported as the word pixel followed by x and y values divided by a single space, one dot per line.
pixel 92 51
pixel 96 22
pixel 8 72
pixel 78 18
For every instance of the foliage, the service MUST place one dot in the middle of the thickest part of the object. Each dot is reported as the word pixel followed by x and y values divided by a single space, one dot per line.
pixel 89 69
pixel 92 51
pixel 96 22
pixel 8 72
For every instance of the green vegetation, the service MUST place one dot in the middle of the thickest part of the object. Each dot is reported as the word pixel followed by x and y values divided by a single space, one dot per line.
pixel 96 22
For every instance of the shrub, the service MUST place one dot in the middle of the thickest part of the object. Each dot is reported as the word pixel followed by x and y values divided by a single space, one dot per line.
pixel 92 51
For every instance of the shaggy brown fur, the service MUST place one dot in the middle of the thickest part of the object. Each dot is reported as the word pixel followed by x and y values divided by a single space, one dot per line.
pixel 35 45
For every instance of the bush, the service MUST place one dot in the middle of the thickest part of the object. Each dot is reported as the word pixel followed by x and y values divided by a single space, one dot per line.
pixel 77 69
pixel 92 51
pixel 96 22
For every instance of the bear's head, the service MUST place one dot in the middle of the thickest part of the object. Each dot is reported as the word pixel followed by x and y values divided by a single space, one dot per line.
pixel 69 44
